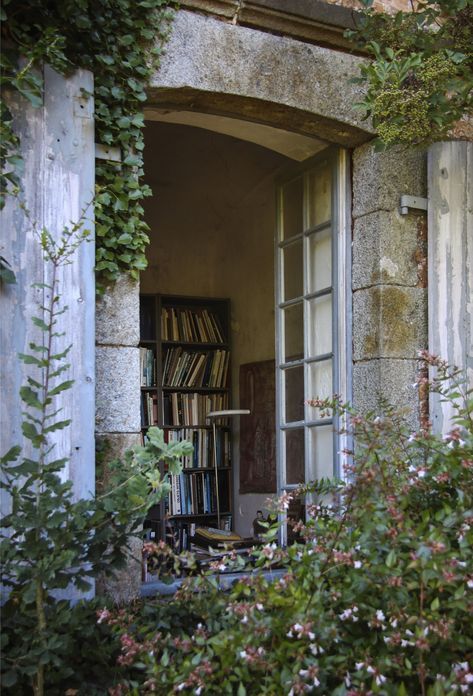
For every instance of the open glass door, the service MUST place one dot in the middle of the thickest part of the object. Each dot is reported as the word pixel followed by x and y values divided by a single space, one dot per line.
pixel 312 306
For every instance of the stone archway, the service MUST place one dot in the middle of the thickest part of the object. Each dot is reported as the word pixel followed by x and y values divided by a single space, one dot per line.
pixel 243 75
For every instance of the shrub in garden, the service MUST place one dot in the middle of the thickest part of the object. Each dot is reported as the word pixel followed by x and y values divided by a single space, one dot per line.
pixel 377 598
pixel 49 542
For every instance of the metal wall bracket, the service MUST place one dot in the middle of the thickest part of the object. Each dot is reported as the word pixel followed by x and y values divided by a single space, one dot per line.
pixel 413 202
pixel 105 152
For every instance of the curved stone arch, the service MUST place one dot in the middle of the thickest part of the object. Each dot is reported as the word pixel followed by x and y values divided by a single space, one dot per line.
pixel 219 68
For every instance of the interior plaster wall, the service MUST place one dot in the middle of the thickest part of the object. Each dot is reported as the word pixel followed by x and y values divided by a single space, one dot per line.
pixel 212 219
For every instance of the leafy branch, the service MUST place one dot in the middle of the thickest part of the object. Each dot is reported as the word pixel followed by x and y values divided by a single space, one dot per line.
pixel 48 541
pixel 120 41
pixel 420 79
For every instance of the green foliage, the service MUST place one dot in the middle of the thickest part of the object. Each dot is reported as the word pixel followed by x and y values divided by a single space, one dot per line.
pixel 420 80
pixel 375 598
pixel 120 42
pixel 50 542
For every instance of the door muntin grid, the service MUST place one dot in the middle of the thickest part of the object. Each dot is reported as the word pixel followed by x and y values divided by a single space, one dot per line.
pixel 305 433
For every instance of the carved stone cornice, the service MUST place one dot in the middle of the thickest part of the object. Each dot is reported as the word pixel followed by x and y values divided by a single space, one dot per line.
pixel 312 21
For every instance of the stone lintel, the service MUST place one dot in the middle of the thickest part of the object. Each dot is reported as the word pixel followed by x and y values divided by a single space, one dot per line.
pixel 259 111
pixel 216 67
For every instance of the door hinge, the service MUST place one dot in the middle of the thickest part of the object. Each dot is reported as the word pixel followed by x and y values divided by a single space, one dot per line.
pixel 413 202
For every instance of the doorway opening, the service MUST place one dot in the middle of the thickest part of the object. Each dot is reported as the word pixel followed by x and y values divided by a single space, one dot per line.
pixel 217 232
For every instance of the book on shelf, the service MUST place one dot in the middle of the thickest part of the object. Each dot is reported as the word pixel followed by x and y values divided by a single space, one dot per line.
pixel 203 442
pixel 149 409
pixel 194 493
pixel 147 367
pixel 190 325
pixel 184 368
pixel 191 408
pixel 185 374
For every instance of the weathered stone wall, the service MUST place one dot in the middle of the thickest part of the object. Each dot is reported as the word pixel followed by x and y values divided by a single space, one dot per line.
pixel 118 401
pixel 389 277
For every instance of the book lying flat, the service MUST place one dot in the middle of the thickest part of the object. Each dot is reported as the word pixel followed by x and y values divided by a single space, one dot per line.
pixel 217 534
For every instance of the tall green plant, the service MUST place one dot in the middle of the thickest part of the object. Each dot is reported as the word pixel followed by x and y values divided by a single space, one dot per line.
pixel 49 542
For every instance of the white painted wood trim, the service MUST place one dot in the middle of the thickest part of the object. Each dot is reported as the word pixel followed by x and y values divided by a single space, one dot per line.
pixel 450 258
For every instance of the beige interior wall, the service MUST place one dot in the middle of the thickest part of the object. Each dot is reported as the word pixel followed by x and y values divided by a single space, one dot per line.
pixel 212 219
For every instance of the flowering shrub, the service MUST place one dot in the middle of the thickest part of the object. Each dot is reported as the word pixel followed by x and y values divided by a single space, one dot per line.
pixel 375 598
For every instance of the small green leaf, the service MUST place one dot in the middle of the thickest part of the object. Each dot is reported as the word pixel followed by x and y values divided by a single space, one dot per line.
pixel 61 387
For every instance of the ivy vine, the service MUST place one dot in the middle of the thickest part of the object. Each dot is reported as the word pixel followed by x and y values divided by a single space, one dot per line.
pixel 420 81
pixel 120 42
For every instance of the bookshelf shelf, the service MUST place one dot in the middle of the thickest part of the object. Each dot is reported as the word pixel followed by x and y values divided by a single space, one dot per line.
pixel 185 374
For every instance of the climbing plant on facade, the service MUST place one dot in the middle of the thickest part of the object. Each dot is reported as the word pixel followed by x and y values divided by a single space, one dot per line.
pixel 420 80
pixel 120 42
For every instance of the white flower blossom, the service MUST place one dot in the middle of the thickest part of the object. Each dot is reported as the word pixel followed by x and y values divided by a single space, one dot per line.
pixel 357 564
pixel 359 665
pixel 380 679
pixel 316 649
pixel 380 615
pixel 349 614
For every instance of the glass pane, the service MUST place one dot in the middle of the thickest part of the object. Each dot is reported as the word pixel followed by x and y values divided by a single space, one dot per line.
pixel 293 319
pixel 292 197
pixel 293 273
pixel 321 452
pixel 320 195
pixel 320 326
pixel 294 393
pixel 320 386
pixel 295 513
pixel 295 466
pixel 320 261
